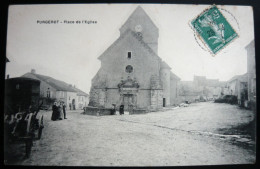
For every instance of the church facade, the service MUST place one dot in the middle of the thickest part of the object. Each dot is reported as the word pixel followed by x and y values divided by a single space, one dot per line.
pixel 131 73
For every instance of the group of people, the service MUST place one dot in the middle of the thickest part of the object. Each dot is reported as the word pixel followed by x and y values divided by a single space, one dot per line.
pixel 57 109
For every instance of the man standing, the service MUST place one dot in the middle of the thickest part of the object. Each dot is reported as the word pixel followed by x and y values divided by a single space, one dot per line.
pixel 121 109
pixel 64 110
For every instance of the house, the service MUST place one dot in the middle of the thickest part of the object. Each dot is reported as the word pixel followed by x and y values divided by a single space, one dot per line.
pixel 52 89
pixel 201 87
pixel 237 86
pixel 82 98
pixel 131 73
pixel 251 71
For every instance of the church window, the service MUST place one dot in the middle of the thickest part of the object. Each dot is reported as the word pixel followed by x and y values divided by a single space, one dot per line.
pixel 139 34
pixel 129 69
pixel 129 55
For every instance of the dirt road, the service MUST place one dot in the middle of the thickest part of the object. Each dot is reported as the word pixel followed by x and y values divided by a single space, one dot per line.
pixel 184 136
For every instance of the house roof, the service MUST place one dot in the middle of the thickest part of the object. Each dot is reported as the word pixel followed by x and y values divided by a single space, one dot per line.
pixel 7 60
pixel 57 84
pixel 251 44
pixel 242 78
pixel 80 92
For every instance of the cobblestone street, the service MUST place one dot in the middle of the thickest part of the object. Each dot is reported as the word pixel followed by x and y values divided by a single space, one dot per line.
pixel 182 136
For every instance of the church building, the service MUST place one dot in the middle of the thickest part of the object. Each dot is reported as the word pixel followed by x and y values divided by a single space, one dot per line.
pixel 131 73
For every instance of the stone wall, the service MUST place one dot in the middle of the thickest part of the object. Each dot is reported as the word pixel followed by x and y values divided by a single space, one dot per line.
pixel 251 70
pixel 93 97
pixel 156 93
pixel 97 111
pixel 107 111
pixel 174 100
pixel 165 78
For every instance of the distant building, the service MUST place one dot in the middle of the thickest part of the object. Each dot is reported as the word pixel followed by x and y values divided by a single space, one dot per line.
pixel 244 86
pixel 251 70
pixel 53 89
pixel 201 88
pixel 132 74
pixel 82 98
pixel 237 86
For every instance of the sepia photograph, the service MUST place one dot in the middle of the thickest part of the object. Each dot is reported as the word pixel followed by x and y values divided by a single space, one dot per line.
pixel 130 85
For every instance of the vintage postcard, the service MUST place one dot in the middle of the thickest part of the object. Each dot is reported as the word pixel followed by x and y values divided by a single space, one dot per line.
pixel 130 85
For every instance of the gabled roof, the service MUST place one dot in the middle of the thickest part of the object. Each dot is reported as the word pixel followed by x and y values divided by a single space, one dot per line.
pixel 174 76
pixel 251 44
pixel 242 78
pixel 7 60
pixel 80 92
pixel 165 65
pixel 56 84
pixel 133 34
pixel 139 12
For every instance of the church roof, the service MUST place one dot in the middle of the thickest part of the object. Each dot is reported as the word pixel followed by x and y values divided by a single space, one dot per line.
pixel 133 34
pixel 165 65
pixel 174 76
pixel 137 15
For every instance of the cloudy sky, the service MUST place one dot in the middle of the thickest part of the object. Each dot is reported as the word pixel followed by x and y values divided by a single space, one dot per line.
pixel 69 52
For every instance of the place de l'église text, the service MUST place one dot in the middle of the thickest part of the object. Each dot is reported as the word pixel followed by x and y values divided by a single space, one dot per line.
pixel 66 22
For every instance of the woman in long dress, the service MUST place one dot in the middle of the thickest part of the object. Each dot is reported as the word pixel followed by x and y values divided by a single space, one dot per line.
pixel 59 111
pixel 54 112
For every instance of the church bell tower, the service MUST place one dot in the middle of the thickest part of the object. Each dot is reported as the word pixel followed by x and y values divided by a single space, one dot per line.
pixel 140 23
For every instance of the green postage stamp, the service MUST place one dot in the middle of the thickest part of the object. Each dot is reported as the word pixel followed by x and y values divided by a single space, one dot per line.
pixel 214 29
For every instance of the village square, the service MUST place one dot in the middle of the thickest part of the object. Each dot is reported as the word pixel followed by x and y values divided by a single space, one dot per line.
pixel 139 112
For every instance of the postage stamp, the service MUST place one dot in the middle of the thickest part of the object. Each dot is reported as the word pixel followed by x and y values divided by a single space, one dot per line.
pixel 214 29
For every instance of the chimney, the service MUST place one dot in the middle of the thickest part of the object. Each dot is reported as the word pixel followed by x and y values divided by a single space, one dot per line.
pixel 33 71
pixel 8 76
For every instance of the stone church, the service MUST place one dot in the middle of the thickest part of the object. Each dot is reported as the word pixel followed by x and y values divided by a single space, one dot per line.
pixel 131 73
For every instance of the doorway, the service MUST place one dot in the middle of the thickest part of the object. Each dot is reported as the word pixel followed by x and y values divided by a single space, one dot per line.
pixel 164 102
pixel 128 101
pixel 73 104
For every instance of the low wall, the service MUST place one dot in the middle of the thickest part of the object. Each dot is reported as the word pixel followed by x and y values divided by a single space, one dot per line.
pixel 105 111
pixel 95 111
pixel 139 111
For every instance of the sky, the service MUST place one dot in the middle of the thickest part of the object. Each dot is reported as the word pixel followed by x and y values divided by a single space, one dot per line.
pixel 69 52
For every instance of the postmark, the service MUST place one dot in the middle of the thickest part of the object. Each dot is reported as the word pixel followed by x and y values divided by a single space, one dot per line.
pixel 213 29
